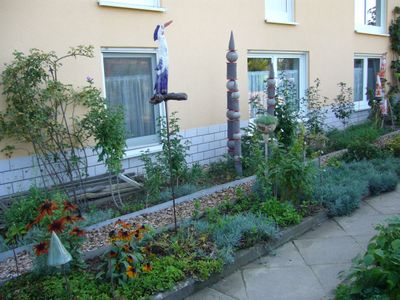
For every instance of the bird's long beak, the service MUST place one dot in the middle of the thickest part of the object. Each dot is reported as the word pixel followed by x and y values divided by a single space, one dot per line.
pixel 167 24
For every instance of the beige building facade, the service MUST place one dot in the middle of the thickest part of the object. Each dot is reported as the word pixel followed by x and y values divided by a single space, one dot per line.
pixel 335 41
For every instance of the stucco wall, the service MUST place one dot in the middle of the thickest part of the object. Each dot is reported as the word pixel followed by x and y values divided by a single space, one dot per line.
pixel 197 39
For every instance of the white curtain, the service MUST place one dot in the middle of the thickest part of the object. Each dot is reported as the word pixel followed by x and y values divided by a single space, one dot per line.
pixel 133 94
pixel 358 84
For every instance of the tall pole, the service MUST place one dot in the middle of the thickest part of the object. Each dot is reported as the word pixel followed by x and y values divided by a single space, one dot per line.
pixel 271 84
pixel 171 171
pixel 233 113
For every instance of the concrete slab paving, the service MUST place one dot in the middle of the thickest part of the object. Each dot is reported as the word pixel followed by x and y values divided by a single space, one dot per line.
pixel 232 286
pixel 328 275
pixel 293 283
pixel 308 268
pixel 285 256
pixel 209 294
pixel 327 230
pixel 361 224
pixel 335 250
pixel 386 204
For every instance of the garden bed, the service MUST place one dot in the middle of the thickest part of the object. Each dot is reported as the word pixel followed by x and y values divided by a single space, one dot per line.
pixel 157 216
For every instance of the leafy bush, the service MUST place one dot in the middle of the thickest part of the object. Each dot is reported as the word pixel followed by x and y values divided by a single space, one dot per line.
pixel 382 182
pixel 286 110
pixel 231 232
pixel 341 188
pixel 283 213
pixel 343 107
pixel 289 172
pixel 361 150
pixel 19 213
pixel 252 149
pixel 341 139
pixel 394 146
pixel 83 286
pixel 376 275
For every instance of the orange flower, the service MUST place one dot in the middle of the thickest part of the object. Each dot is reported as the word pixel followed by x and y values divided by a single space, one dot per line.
pixel 131 272
pixel 123 224
pixel 124 235
pixel 77 218
pixel 130 259
pixel 45 208
pixel 113 254
pixel 77 231
pixel 56 226
pixel 68 206
pixel 41 248
pixel 147 267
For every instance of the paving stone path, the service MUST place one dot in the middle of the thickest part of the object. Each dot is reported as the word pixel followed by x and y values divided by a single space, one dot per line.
pixel 307 268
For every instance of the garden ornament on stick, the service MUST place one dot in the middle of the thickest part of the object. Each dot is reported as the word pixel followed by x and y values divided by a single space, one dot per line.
pixel 58 257
pixel 161 95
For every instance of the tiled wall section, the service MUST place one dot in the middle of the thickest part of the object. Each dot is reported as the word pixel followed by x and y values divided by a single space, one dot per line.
pixel 208 144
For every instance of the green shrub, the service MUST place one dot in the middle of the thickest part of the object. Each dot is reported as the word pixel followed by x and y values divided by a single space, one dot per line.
pixel 376 275
pixel 341 188
pixel 362 150
pixel 341 139
pixel 382 182
pixel 22 210
pixel 394 146
pixel 232 232
pixel 283 213
pixel 29 287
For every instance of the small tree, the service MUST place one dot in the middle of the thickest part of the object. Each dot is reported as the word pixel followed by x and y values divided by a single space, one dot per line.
pixel 343 107
pixel 315 116
pixel 41 111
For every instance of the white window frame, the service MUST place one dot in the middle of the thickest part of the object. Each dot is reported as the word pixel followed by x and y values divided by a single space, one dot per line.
pixel 363 105
pixel 303 68
pixel 152 5
pixel 359 17
pixel 280 17
pixel 132 148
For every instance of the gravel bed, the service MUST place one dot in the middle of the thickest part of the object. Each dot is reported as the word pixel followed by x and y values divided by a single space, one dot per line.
pixel 98 237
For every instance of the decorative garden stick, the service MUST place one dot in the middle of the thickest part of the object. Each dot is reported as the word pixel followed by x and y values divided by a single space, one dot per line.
pixel 161 95
pixel 233 113
pixel 59 257
pixel 271 84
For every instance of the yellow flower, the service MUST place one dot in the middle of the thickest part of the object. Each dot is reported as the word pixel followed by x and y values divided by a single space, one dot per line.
pixel 131 272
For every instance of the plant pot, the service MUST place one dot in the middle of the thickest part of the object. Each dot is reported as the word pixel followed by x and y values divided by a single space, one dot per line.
pixel 266 129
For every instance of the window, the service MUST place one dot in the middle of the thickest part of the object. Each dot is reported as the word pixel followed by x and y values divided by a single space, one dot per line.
pixel 135 4
pixel 279 11
pixel 366 69
pixel 289 65
pixel 129 82
pixel 370 16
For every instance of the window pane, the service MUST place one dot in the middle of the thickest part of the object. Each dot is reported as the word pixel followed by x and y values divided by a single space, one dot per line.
pixel 258 72
pixel 373 69
pixel 358 79
pixel 373 12
pixel 129 83
pixel 278 5
pixel 290 69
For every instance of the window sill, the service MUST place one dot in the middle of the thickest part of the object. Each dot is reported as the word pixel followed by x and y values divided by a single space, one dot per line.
pixel 130 6
pixel 371 33
pixel 271 21
pixel 361 107
pixel 131 153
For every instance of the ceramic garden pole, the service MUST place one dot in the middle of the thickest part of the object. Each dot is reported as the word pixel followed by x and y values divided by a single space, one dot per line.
pixel 233 113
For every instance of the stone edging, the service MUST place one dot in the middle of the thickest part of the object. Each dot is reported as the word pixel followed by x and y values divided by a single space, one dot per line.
pixel 202 193
pixel 242 258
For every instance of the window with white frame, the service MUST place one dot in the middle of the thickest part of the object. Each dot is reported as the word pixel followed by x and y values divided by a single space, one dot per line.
pixel 366 69
pixel 291 66
pixel 136 4
pixel 370 16
pixel 129 83
pixel 280 11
